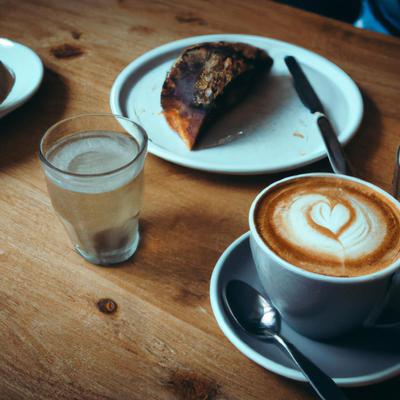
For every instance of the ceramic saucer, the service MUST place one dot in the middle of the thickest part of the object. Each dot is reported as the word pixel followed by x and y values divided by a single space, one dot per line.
pixel 363 358
pixel 27 68
pixel 274 131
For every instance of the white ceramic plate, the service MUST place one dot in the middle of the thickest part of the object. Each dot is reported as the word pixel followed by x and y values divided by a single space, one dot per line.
pixel 363 358
pixel 27 68
pixel 279 132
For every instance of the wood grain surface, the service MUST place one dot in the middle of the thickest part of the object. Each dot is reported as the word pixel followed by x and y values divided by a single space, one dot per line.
pixel 159 339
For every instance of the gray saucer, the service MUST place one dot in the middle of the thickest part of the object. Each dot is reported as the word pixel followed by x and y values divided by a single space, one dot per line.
pixel 363 358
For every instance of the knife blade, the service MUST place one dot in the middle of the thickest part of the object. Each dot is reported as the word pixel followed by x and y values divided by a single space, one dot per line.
pixel 310 99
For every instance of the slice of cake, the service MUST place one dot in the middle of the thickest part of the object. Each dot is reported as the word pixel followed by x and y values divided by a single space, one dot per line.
pixel 206 80
pixel 6 82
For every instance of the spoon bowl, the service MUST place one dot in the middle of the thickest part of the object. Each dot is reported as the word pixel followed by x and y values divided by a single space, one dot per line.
pixel 251 310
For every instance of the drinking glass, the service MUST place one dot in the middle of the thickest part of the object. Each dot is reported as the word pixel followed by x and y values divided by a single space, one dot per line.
pixel 93 164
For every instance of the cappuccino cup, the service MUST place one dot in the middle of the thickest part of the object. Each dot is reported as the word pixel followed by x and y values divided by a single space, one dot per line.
pixel 327 251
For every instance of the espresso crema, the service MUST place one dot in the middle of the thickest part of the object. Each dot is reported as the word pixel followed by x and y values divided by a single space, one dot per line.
pixel 330 226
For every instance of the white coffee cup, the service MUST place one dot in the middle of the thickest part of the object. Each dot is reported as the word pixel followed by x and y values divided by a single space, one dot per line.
pixel 315 305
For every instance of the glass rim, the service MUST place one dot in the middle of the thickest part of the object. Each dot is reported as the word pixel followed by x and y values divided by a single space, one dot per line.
pixel 142 147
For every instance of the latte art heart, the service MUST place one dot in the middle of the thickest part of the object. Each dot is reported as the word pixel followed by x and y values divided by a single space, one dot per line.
pixel 311 223
pixel 330 225
pixel 331 218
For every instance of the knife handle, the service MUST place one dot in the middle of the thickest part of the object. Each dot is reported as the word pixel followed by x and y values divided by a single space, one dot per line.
pixel 396 177
pixel 334 149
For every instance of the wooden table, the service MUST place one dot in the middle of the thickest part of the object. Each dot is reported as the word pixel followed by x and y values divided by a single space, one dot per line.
pixel 162 342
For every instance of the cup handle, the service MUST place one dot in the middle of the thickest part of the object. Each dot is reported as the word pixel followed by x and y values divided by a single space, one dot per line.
pixel 378 310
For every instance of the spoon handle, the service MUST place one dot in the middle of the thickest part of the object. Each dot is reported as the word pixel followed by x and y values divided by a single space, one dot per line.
pixel 323 385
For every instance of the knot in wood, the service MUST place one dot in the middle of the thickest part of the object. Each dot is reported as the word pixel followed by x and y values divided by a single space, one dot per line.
pixel 107 306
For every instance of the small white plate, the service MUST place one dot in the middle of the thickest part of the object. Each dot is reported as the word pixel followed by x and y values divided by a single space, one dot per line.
pixel 279 132
pixel 27 68
pixel 363 358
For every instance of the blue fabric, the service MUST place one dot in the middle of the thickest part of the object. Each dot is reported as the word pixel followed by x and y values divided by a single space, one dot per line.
pixel 390 10
pixel 367 20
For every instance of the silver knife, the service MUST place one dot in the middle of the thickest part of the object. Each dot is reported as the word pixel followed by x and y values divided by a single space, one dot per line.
pixel 310 99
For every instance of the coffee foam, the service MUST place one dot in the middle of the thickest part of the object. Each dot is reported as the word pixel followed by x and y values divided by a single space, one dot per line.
pixel 330 226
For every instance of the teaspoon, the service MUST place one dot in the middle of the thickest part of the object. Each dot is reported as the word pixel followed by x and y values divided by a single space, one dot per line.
pixel 257 316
